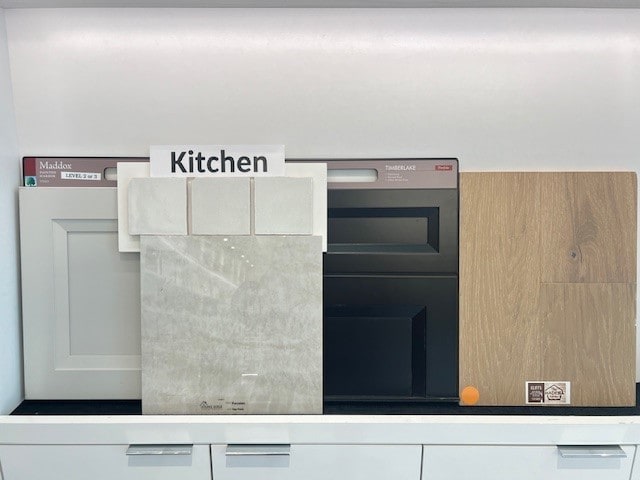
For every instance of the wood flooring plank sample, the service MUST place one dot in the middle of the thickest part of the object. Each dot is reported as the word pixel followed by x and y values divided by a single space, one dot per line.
pixel 588 337
pixel 589 227
pixel 499 284
pixel 547 284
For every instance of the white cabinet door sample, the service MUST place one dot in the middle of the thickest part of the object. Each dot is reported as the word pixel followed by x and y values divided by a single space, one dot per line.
pixel 80 297
pixel 100 462
pixel 472 462
pixel 316 462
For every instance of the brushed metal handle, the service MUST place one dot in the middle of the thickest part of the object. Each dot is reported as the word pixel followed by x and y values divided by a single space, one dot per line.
pixel 253 450
pixel 591 451
pixel 147 449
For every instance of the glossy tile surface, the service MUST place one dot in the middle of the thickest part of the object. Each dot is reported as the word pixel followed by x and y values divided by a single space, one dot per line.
pixel 233 326
pixel 220 206
pixel 283 206
pixel 158 206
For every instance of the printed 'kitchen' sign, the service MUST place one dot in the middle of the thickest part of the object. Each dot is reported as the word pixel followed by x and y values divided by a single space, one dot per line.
pixel 217 160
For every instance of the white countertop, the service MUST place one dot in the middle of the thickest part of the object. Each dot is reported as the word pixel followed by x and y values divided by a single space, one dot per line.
pixel 321 429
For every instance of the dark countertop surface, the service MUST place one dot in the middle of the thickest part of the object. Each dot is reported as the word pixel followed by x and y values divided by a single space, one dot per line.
pixel 134 407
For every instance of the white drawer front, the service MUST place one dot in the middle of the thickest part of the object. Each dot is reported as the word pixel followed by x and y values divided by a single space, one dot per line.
pixel 521 463
pixel 100 462
pixel 316 462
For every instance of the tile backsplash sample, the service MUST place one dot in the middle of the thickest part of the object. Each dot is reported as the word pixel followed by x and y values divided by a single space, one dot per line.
pixel 158 206
pixel 318 174
pixel 125 172
pixel 283 206
pixel 231 324
pixel 221 206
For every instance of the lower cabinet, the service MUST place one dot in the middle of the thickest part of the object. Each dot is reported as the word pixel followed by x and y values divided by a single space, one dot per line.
pixel 228 462
pixel 104 462
pixel 467 462
pixel 316 462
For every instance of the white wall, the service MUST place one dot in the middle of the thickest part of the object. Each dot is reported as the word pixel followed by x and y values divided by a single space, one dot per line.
pixel 501 89
pixel 10 331
pixel 539 89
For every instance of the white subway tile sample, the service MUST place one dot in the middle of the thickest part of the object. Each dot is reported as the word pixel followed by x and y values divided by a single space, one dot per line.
pixel 125 171
pixel 231 325
pixel 158 206
pixel 220 206
pixel 318 174
pixel 283 206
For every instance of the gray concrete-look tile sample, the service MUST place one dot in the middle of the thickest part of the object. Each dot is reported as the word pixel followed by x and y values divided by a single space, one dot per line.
pixel 231 325
pixel 283 206
pixel 220 206
pixel 158 206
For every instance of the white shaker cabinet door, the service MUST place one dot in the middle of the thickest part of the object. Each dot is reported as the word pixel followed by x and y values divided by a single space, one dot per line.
pixel 316 462
pixel 104 462
pixel 80 297
pixel 473 462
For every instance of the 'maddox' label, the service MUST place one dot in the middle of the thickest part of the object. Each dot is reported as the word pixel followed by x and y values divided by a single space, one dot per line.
pixel 548 393
pixel 72 171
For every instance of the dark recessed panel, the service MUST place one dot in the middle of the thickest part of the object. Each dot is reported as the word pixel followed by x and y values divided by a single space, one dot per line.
pixel 423 309
pixel 369 350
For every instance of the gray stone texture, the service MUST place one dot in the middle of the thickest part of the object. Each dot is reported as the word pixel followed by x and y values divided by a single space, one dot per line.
pixel 283 206
pixel 220 206
pixel 158 206
pixel 231 325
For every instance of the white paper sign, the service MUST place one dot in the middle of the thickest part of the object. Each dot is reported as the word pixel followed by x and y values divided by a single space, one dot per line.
pixel 217 160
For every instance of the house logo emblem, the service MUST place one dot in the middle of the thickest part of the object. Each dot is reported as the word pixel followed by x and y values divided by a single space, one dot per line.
pixel 554 393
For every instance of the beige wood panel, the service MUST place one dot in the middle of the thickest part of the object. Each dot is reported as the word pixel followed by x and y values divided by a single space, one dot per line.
pixel 588 338
pixel 499 284
pixel 529 309
pixel 589 227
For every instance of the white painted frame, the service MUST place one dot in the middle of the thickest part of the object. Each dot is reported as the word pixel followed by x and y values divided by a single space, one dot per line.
pixel 47 216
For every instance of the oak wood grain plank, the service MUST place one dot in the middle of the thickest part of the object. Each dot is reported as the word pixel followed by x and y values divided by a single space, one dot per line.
pixel 589 227
pixel 588 338
pixel 499 284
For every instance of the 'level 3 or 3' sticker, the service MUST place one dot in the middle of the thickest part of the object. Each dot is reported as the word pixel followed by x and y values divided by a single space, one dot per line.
pixel 548 393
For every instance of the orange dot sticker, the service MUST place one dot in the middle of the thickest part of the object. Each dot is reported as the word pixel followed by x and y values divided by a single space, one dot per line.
pixel 469 395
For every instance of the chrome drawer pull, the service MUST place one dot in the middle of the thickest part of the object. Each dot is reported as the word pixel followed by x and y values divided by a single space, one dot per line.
pixel 159 450
pixel 247 450
pixel 591 451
